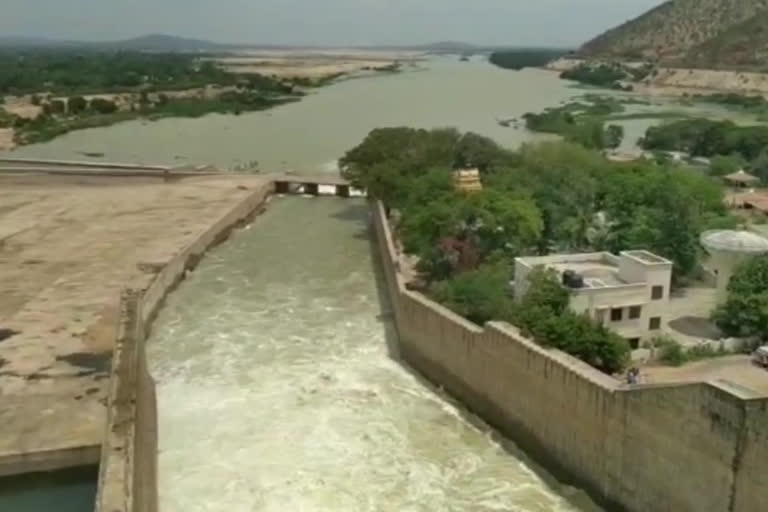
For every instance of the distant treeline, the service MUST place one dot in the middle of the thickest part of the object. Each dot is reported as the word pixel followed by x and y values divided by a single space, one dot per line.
pixel 85 72
pixel 526 58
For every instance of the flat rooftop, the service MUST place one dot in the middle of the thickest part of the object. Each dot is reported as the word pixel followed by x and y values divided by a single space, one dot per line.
pixel 599 269
pixel 597 273
pixel 68 245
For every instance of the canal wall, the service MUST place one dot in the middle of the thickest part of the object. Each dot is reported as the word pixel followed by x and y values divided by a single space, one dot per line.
pixel 128 468
pixel 697 447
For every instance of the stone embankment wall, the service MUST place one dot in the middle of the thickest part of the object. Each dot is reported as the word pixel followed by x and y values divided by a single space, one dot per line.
pixel 697 447
pixel 128 468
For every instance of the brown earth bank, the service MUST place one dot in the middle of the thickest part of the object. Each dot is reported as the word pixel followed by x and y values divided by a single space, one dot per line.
pixel 668 81
pixel 316 64
pixel 68 246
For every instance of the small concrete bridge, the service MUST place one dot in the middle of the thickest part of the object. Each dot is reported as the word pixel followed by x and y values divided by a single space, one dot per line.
pixel 318 184
pixel 314 185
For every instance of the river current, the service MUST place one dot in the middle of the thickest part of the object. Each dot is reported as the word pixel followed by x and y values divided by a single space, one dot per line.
pixel 278 391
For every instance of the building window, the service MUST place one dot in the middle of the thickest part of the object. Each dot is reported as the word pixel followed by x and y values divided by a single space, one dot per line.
pixel 634 343
pixel 655 323
pixel 657 293
pixel 635 312
pixel 617 314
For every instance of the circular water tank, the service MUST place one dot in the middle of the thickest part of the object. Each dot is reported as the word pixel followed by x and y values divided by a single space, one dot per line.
pixel 728 249
pixel 734 241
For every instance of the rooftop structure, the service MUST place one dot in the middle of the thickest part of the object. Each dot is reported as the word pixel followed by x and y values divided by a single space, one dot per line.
pixel 749 200
pixel 741 179
pixel 628 293
pixel 728 249
pixel 467 180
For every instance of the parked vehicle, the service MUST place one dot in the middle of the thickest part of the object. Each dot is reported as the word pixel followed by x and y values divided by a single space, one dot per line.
pixel 760 356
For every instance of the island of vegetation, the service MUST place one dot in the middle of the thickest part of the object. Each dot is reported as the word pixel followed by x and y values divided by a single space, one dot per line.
pixel 545 198
pixel 612 75
pixel 525 57
pixel 48 93
pixel 582 122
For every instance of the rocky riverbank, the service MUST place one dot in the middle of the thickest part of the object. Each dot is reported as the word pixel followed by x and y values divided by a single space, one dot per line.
pixel 667 81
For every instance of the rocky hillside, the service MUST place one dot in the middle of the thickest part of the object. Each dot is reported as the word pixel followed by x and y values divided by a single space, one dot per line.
pixel 743 46
pixel 706 33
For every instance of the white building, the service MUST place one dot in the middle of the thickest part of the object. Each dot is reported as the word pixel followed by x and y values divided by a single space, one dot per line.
pixel 627 293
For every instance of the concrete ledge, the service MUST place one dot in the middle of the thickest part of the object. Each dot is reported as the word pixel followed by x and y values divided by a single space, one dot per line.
pixel 50 460
pixel 128 469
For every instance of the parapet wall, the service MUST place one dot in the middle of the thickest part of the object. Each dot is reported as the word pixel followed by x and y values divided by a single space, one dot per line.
pixel 695 447
pixel 128 468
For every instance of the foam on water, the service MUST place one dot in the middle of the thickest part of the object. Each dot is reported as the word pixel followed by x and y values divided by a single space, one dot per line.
pixel 276 391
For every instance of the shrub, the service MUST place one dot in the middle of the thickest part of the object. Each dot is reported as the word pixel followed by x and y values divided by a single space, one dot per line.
pixel 76 104
pixel 103 106
pixel 671 352
pixel 480 295
pixel 57 107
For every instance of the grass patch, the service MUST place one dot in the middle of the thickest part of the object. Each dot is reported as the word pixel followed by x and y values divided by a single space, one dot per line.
pixel 674 354
pixel 648 115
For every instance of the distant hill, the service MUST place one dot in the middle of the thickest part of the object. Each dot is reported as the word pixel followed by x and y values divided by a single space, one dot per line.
pixel 169 43
pixel 151 42
pixel 166 43
pixel 705 32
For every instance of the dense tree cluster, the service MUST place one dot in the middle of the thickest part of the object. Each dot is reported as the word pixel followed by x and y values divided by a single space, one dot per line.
pixel 705 137
pixel 83 72
pixel 142 75
pixel 734 100
pixel 581 123
pixel 599 75
pixel 745 313
pixel 550 197
pixel 525 58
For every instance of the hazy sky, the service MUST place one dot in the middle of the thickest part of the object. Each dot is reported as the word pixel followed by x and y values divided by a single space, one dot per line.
pixel 328 22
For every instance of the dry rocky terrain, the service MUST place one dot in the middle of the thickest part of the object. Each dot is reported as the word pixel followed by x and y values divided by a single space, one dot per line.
pixel 684 32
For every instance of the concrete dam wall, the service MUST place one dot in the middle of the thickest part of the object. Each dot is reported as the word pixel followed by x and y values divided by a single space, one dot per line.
pixel 128 468
pixel 698 447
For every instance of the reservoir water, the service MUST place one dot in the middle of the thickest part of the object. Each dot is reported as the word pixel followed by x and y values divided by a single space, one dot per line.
pixel 308 136
pixel 277 390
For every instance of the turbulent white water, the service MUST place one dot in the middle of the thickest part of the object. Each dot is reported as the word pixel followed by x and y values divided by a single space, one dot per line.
pixel 277 393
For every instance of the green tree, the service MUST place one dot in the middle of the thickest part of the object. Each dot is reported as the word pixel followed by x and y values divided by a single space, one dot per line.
pixel 57 106
pixel 544 315
pixel 759 166
pixel 103 106
pixel 480 295
pixel 614 134
pixel 76 104
pixel 722 165
pixel 545 291
pixel 745 312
